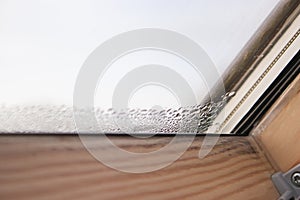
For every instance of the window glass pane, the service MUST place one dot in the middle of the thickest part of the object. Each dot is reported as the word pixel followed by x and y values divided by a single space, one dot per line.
pixel 45 43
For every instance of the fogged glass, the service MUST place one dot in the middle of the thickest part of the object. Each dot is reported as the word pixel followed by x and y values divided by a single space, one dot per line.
pixel 44 44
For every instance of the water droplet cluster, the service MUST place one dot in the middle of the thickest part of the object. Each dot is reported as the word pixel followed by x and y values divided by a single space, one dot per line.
pixel 59 119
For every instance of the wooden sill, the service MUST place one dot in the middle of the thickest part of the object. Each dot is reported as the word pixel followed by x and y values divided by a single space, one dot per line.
pixel 59 167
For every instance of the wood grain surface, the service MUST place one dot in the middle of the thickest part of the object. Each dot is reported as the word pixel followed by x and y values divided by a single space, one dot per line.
pixel 279 132
pixel 59 167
